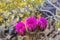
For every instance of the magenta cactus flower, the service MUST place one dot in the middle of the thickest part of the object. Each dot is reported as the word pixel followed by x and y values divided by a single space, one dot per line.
pixel 31 24
pixel 20 28
pixel 42 23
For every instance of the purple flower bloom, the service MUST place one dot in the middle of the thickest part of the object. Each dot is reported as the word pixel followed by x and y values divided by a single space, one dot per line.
pixel 20 28
pixel 42 23
pixel 31 24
